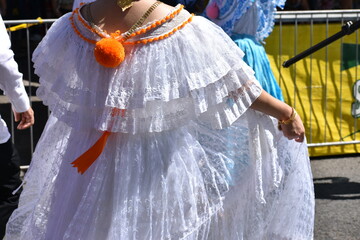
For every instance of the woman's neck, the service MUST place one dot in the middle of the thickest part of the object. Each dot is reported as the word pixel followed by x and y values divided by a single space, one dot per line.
pixel 109 16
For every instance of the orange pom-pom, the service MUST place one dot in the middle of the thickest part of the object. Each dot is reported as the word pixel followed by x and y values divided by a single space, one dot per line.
pixel 109 52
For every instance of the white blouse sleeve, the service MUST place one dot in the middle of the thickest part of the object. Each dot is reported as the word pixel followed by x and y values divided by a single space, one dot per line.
pixel 11 79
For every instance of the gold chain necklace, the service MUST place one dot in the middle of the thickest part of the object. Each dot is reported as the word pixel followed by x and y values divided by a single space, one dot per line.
pixel 142 19
pixel 133 27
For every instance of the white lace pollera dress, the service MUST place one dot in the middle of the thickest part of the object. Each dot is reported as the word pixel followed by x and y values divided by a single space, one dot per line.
pixel 187 159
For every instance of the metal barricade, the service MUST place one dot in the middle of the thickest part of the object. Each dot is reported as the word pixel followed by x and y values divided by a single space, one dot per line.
pixel 322 86
pixel 25 36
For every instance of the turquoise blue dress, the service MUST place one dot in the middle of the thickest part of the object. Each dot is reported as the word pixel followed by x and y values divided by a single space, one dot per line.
pixel 249 22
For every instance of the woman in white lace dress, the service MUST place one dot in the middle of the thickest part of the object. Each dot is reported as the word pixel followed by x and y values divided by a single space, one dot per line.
pixel 137 145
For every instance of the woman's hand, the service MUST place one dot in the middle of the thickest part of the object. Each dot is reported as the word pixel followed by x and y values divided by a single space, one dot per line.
pixel 294 130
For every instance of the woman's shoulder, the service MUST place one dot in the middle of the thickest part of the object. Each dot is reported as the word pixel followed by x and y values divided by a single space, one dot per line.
pixel 61 22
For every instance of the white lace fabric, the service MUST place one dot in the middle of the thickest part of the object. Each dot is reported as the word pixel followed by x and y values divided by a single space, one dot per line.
pixel 191 183
pixel 187 158
pixel 169 92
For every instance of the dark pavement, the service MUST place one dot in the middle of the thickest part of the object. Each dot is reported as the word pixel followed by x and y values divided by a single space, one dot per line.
pixel 337 192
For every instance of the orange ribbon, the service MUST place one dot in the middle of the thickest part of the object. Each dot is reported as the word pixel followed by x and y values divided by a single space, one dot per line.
pixel 83 162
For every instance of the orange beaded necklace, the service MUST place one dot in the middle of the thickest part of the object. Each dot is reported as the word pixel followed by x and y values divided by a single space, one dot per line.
pixel 109 51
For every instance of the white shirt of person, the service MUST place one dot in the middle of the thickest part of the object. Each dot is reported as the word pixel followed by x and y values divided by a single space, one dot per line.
pixel 10 81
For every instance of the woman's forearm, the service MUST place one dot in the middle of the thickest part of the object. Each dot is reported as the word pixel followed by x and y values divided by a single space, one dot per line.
pixel 289 122
pixel 272 106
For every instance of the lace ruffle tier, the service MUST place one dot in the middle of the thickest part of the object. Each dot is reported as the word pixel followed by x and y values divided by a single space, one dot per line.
pixel 152 90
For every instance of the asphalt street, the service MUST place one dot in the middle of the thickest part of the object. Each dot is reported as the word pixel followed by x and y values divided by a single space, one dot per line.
pixel 337 193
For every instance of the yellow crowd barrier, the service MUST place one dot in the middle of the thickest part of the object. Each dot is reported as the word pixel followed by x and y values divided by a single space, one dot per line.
pixel 24 25
pixel 324 87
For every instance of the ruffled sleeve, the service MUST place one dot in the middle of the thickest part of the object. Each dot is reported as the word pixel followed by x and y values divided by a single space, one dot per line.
pixel 197 73
pixel 251 17
pixel 266 14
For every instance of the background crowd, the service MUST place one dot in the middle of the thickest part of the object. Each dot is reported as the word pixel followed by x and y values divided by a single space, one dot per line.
pixel 31 9
pixel 321 4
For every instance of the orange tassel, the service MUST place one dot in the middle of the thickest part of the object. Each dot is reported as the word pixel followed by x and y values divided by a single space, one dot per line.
pixel 83 162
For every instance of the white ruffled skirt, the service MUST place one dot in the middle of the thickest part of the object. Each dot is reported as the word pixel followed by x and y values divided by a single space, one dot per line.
pixel 186 183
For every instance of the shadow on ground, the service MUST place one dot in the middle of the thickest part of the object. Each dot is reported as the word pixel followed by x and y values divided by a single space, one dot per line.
pixel 336 188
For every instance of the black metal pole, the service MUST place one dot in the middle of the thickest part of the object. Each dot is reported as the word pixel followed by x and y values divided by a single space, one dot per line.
pixel 348 28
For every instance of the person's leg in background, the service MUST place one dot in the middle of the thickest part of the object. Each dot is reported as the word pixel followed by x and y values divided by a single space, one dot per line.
pixel 9 181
